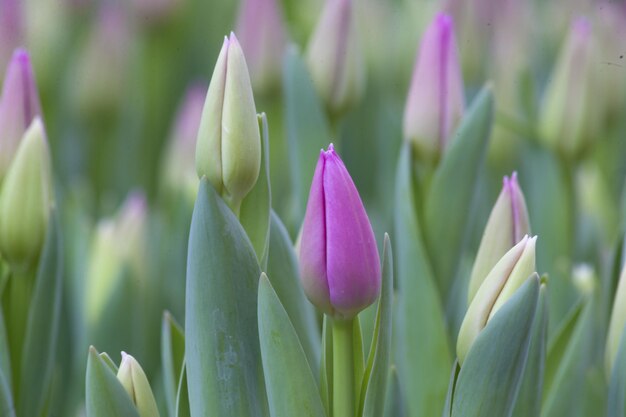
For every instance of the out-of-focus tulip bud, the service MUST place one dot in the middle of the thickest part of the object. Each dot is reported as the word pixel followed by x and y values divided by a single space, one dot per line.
pixel 118 243
pixel 617 323
pixel 228 150
pixel 102 64
pixel 505 278
pixel 335 58
pixel 179 169
pixel 263 37
pixel 134 380
pixel 19 105
pixel 339 262
pixel 26 199
pixel 569 117
pixel 11 28
pixel 435 103
pixel 508 223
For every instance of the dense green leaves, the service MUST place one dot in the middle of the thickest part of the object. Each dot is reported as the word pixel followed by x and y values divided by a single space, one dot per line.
pixel 255 208
pixel 453 187
pixel 291 387
pixel 376 377
pixel 222 351
pixel 490 378
pixel 422 367
pixel 105 396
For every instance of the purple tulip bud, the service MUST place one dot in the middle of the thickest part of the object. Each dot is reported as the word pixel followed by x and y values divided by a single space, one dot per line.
pixel 335 59
pixel 19 106
pixel 339 262
pixel 508 223
pixel 262 34
pixel 435 103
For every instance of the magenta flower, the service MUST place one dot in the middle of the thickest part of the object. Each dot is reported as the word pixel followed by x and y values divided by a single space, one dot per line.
pixel 435 103
pixel 19 105
pixel 339 262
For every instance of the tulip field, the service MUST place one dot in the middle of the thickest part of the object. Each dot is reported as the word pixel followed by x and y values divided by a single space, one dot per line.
pixel 313 208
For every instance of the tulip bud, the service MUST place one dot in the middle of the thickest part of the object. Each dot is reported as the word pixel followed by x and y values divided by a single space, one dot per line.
pixel 505 278
pixel 228 150
pixel 435 103
pixel 136 384
pixel 335 59
pixel 617 323
pixel 26 199
pixel 263 38
pixel 568 120
pixel 339 262
pixel 19 105
pixel 179 172
pixel 508 223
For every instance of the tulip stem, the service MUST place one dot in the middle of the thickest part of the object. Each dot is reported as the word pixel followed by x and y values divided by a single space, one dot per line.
pixel 343 368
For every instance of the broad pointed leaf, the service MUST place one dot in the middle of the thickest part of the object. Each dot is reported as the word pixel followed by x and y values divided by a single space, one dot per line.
pixel 224 371
pixel 291 387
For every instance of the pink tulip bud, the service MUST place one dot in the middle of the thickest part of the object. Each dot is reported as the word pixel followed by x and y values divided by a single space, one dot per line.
pixel 19 106
pixel 435 103
pixel 508 223
pixel 262 34
pixel 339 262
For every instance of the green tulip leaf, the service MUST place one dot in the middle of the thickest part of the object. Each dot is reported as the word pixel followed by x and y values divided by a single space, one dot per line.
pixel 377 369
pixel 255 208
pixel 109 362
pixel 528 403
pixel 40 341
pixel 105 395
pixel 394 404
pixel 490 377
pixel 6 399
pixel 419 309
pixel 567 365
pixel 182 395
pixel 291 387
pixel 453 187
pixel 172 358
pixel 224 370
pixel 282 270
pixel 454 375
pixel 307 127
pixel 616 406
pixel 5 360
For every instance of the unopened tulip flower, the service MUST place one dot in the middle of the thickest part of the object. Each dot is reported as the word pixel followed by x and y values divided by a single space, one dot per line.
pixel 228 150
pixel 179 170
pixel 339 262
pixel 26 198
pixel 568 120
pixel 503 280
pixel 19 105
pixel 435 103
pixel 263 37
pixel 508 223
pixel 335 58
pixel 616 325
pixel 135 382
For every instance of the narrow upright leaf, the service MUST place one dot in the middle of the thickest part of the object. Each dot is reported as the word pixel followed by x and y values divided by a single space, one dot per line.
pixel 422 367
pixel 291 387
pixel 453 188
pixel 616 406
pixel 182 396
pixel 172 358
pixel 256 207
pixel 377 370
pixel 222 353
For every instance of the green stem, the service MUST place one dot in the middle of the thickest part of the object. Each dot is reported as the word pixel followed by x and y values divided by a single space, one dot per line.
pixel 16 306
pixel 343 368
